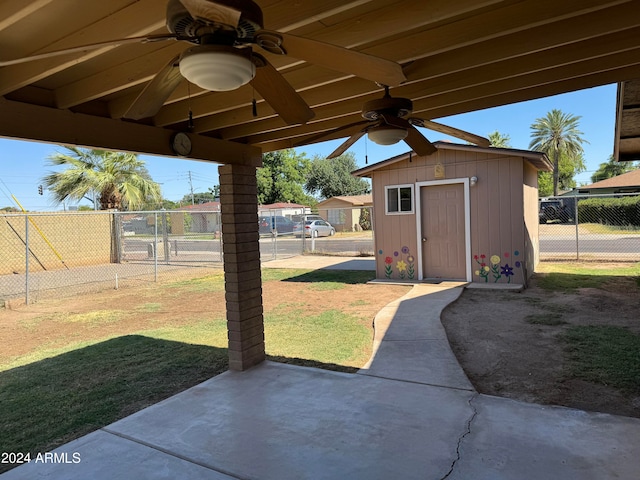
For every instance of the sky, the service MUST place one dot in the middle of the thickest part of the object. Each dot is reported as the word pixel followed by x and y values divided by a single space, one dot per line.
pixel 23 164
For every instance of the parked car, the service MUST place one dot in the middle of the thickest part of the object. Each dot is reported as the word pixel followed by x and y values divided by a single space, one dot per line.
pixel 314 228
pixel 551 210
pixel 283 225
pixel 302 218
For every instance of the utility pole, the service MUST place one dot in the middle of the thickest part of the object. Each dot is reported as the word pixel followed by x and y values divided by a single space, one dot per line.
pixel 191 186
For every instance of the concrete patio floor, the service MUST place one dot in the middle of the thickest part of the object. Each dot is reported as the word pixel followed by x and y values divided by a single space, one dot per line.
pixel 411 413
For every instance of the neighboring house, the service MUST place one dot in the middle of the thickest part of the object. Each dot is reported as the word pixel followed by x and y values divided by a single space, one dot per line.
pixel 626 183
pixel 204 218
pixel 283 209
pixel 343 212
pixel 463 213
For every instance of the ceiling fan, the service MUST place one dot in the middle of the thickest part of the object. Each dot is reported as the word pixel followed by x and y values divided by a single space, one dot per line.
pixel 223 33
pixel 386 122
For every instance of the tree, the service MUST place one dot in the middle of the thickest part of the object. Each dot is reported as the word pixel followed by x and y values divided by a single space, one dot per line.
pixel 611 168
pixel 568 168
pixel 557 135
pixel 498 140
pixel 281 178
pixel 198 198
pixel 332 177
pixel 116 180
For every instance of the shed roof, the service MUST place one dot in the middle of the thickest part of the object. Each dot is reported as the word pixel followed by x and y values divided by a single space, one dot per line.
pixel 629 179
pixel 538 159
pixel 355 200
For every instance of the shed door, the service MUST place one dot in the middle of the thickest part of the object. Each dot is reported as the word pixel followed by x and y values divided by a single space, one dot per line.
pixel 443 234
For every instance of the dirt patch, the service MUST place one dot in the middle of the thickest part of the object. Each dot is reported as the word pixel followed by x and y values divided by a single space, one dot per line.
pixel 510 344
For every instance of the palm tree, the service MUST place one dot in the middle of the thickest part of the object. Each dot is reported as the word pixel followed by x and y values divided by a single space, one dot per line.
pixel 557 134
pixel 499 140
pixel 120 180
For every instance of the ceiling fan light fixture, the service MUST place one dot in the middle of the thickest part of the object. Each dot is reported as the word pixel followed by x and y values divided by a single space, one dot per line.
pixel 218 68
pixel 386 135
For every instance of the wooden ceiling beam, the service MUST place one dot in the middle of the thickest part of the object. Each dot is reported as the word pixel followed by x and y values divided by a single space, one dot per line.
pixel 371 26
pixel 276 17
pixel 116 78
pixel 124 23
pixel 491 50
pixel 509 91
pixel 65 127
pixel 12 11
pixel 366 28
pixel 600 51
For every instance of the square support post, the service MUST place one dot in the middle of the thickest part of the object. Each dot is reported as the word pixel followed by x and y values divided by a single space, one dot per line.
pixel 242 274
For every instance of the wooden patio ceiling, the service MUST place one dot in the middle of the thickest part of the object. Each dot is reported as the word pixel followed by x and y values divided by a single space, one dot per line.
pixel 458 56
pixel 627 137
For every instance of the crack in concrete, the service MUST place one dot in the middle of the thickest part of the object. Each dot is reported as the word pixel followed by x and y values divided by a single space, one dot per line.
pixel 461 438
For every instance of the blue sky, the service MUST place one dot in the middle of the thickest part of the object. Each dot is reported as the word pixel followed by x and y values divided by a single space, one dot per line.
pixel 25 163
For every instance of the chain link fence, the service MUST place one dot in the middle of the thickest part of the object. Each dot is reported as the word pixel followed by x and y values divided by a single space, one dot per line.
pixel 590 228
pixel 338 231
pixel 57 254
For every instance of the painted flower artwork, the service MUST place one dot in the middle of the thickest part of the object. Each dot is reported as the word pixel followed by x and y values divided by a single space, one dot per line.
pixel 387 267
pixel 403 261
pixel 498 267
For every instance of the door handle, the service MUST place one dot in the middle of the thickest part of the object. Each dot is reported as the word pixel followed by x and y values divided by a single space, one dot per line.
pixel 424 239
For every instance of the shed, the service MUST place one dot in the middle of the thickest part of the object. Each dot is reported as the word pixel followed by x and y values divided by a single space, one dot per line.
pixel 344 212
pixel 463 213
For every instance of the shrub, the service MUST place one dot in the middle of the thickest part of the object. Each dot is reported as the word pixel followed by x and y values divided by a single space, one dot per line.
pixel 610 211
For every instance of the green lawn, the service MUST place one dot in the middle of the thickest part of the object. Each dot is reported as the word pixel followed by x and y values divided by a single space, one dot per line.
pixel 608 355
pixel 572 276
pixel 57 393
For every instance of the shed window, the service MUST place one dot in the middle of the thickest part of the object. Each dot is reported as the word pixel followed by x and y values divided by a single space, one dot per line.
pixel 399 199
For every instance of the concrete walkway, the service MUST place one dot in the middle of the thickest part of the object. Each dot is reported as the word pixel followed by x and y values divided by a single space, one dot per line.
pixel 410 413
pixel 411 344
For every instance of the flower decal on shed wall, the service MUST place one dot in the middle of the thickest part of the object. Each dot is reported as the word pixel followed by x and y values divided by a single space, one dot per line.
pixel 403 262
pixel 494 268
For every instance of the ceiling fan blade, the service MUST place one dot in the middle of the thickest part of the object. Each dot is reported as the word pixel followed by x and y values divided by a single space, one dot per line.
pixel 156 92
pixel 212 12
pixel 350 141
pixel 454 132
pixel 414 139
pixel 91 46
pixel 333 57
pixel 347 130
pixel 418 142
pixel 279 93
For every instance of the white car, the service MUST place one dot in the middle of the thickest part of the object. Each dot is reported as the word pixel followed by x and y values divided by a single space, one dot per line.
pixel 314 228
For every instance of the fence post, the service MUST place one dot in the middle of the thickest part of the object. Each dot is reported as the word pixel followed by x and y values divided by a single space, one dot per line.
pixel 26 259
pixel 155 248
pixel 577 231
pixel 165 237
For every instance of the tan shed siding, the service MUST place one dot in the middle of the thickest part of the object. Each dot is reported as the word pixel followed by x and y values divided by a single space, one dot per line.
pixel 531 220
pixel 392 232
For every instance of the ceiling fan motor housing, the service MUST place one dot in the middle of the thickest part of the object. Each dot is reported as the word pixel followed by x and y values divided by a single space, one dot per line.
pixel 180 21
pixel 397 107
